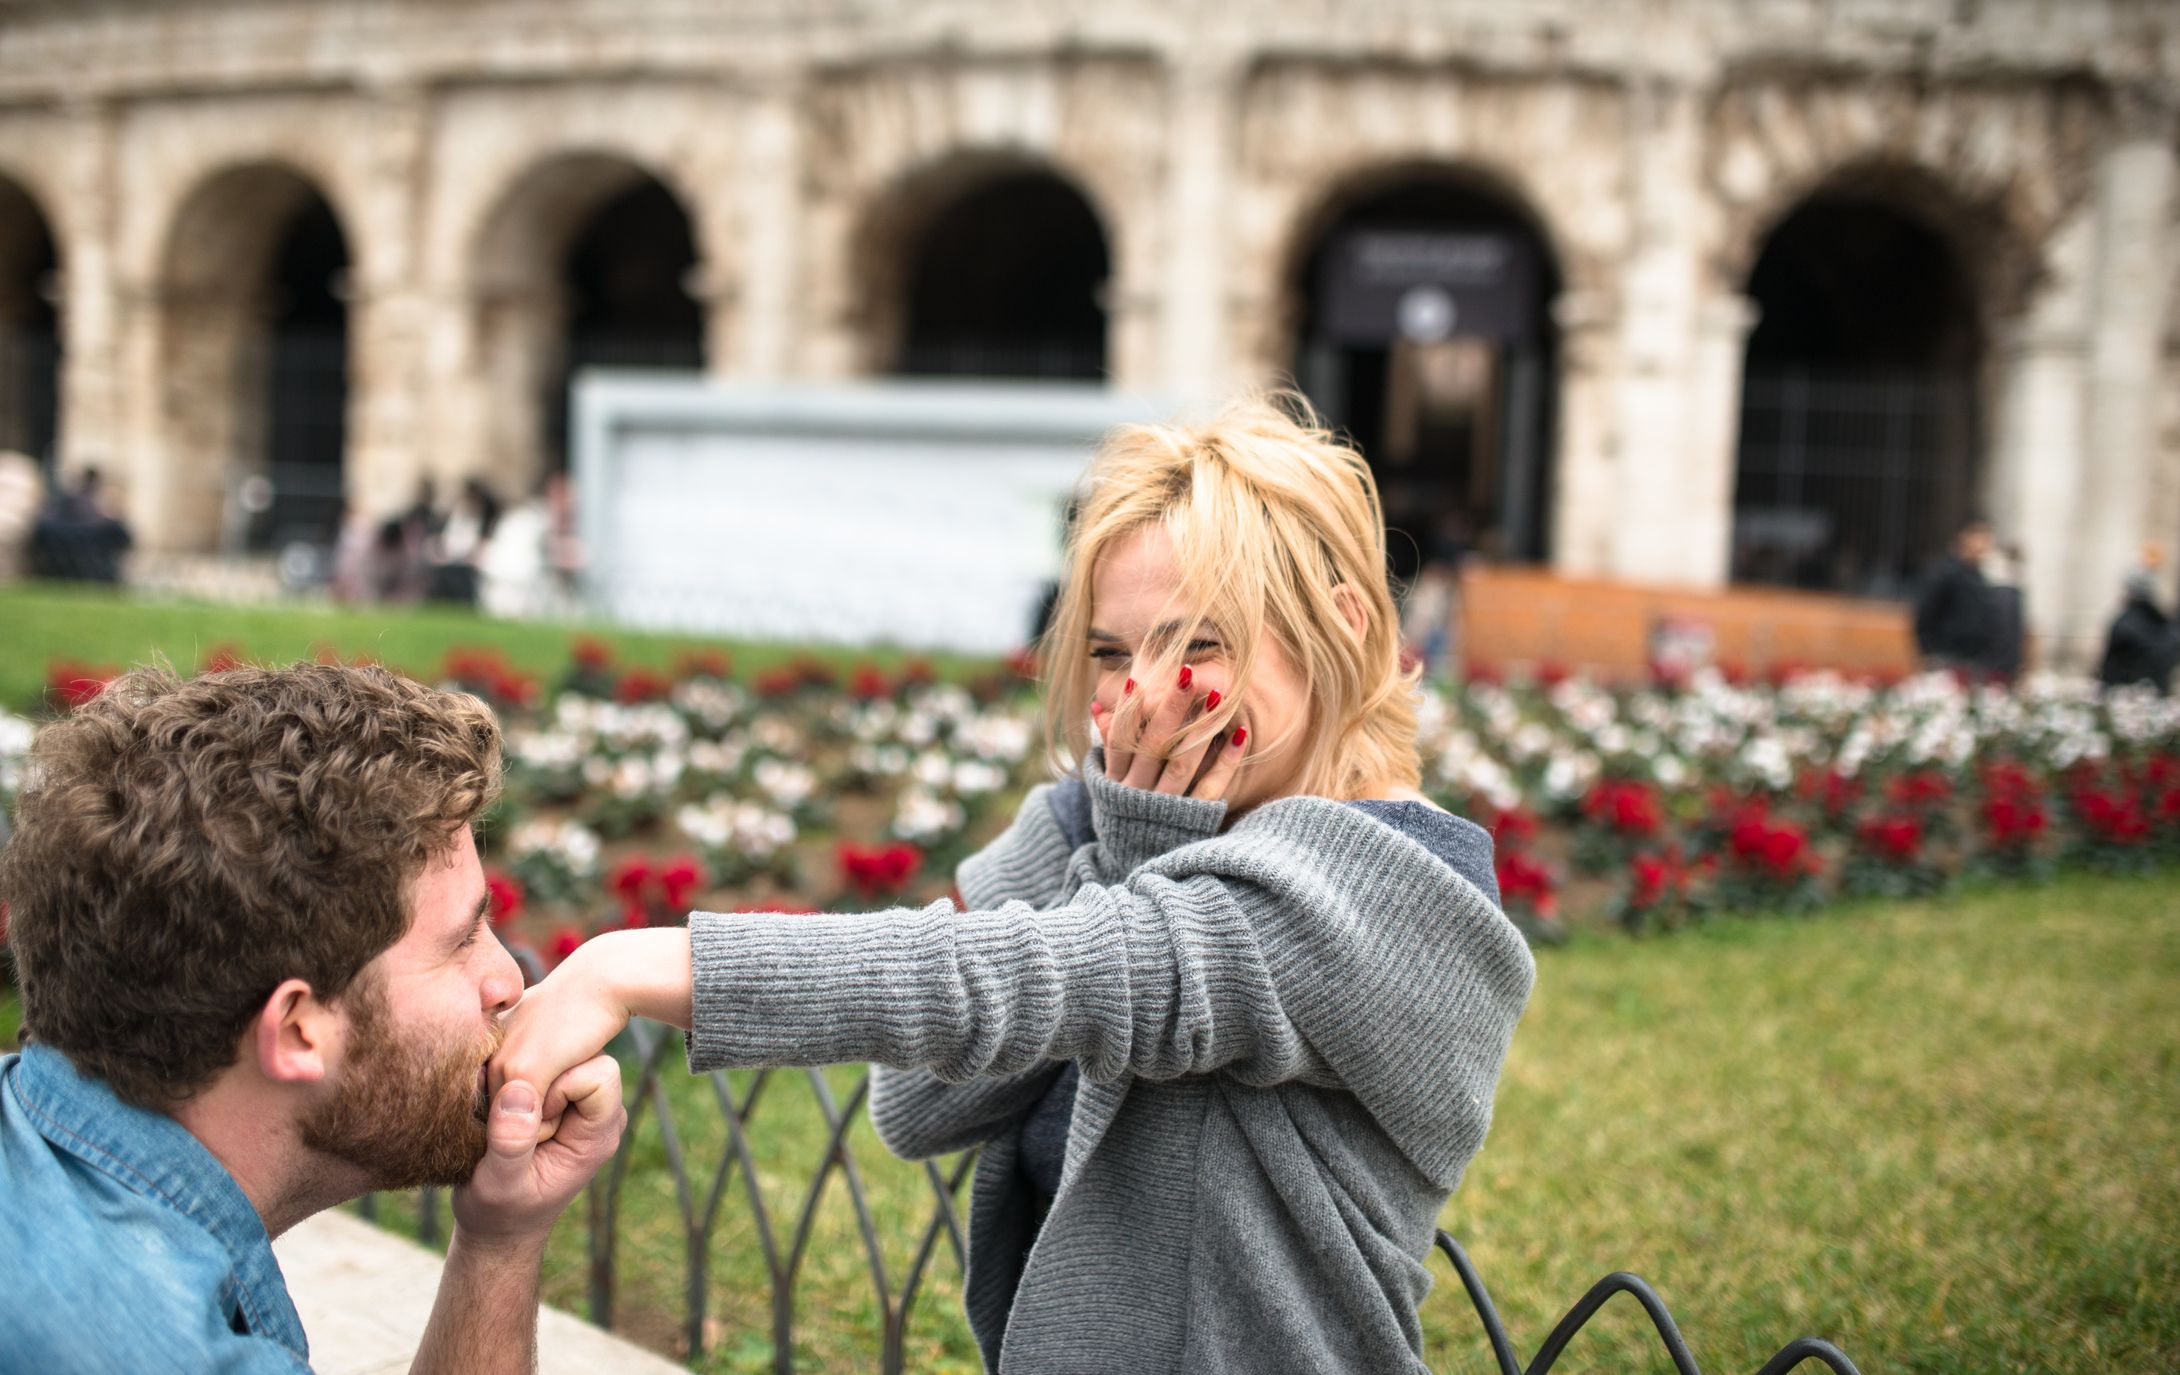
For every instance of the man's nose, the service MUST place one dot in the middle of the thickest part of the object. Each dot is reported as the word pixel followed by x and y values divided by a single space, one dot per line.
pixel 502 987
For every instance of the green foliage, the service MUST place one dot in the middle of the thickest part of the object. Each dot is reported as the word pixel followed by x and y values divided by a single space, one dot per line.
pixel 40 623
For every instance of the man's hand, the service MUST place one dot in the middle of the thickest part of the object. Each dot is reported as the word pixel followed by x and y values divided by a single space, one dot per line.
pixel 484 1321
pixel 535 1164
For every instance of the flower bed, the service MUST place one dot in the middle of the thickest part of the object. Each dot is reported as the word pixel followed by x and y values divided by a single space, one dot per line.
pixel 633 796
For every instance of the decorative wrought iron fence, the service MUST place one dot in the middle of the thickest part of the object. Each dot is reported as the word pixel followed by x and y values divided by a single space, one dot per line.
pixel 650 1051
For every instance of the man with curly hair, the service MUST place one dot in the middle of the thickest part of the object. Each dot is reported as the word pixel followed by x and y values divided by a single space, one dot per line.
pixel 257 979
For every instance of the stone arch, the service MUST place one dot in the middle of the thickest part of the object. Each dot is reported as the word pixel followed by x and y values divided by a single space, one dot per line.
pixel 30 326
pixel 1417 297
pixel 588 258
pixel 255 278
pixel 1862 419
pixel 987 262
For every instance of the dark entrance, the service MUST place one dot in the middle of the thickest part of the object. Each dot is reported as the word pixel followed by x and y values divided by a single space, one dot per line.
pixel 1858 442
pixel 627 278
pixel 1007 281
pixel 30 338
pixel 1427 337
pixel 305 380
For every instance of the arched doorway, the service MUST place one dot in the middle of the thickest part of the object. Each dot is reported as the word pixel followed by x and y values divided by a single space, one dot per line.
pixel 1858 450
pixel 1425 334
pixel 30 336
pixel 997 271
pixel 255 340
pixel 589 261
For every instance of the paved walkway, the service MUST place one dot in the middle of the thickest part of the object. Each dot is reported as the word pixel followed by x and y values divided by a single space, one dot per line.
pixel 364 1296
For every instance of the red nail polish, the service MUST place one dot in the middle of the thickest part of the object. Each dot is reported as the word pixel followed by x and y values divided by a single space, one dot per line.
pixel 1211 703
pixel 1241 733
pixel 1127 687
pixel 1188 675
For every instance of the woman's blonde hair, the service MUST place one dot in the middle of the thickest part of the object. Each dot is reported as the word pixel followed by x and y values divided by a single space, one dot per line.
pixel 1274 524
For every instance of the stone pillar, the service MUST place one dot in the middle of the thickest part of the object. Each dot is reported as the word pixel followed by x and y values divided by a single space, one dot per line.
pixel 388 310
pixel 757 322
pixel 91 392
pixel 2033 481
pixel 2134 195
pixel 1680 354
pixel 1585 477
pixel 1193 346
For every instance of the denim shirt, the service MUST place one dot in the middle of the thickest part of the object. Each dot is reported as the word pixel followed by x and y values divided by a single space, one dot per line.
pixel 124 1244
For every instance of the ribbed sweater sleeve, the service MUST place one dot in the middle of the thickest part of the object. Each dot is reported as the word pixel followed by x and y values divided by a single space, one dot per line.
pixel 1309 942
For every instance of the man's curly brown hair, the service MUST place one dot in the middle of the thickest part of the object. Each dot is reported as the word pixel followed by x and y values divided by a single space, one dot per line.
pixel 181 847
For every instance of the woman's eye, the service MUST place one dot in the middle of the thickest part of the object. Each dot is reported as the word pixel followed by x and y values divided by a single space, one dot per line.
pixel 1107 656
pixel 1197 648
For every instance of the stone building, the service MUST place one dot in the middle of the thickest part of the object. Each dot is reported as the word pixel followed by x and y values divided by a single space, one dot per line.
pixel 1683 292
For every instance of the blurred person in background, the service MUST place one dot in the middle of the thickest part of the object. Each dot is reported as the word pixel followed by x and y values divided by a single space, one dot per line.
pixel 1956 620
pixel 22 492
pixel 2142 645
pixel 76 536
pixel 461 544
pixel 2004 569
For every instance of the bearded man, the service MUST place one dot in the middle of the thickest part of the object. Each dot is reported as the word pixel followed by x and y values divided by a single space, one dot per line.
pixel 258 981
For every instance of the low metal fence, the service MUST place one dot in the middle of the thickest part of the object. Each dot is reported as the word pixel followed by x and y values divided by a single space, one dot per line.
pixel 654 1052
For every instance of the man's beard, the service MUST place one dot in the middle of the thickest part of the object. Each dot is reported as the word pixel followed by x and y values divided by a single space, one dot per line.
pixel 408 1111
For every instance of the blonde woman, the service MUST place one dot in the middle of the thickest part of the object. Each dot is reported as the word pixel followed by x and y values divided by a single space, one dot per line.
pixel 1228 1007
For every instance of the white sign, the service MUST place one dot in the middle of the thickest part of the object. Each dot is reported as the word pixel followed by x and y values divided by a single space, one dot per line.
pixel 918 514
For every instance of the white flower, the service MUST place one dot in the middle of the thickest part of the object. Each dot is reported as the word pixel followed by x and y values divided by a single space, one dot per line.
pixel 925 818
pixel 787 785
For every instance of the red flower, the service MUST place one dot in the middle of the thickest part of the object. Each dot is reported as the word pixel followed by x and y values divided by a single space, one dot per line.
pixel 76 683
pixel 1829 788
pixel 918 673
pixel 564 943
pixel 1525 882
pixel 630 878
pixel 814 672
pixel 1629 807
pixel 1512 828
pixel 591 654
pixel 778 682
pixel 680 880
pixel 1551 673
pixel 222 658
pixel 642 685
pixel 878 869
pixel 1894 839
pixel 869 684
pixel 505 891
pixel 1023 665
pixel 1483 674
pixel 703 663
pixel 1922 788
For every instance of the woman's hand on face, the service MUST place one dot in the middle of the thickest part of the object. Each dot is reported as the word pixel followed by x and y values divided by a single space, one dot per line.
pixel 1159 757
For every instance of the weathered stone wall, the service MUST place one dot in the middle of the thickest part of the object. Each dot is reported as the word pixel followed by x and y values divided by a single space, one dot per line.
pixel 1653 147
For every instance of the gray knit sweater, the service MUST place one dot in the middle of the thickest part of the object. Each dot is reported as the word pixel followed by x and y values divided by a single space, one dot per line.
pixel 1288 1034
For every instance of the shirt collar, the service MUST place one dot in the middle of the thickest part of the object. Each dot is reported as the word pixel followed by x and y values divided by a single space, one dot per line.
pixel 157 1157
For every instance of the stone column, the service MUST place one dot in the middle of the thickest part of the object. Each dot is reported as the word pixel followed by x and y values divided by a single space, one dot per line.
pixel 2034 479
pixel 758 323
pixel 2134 194
pixel 1192 345
pixel 91 422
pixel 388 310
pixel 1585 477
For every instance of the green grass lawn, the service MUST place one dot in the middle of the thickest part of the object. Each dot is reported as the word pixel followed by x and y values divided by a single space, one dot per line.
pixel 1945 1136
pixel 43 622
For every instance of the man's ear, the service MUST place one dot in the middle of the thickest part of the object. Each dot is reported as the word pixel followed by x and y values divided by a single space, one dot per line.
pixel 295 1037
pixel 1353 609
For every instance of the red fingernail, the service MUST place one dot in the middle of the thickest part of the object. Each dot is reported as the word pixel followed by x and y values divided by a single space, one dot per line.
pixel 1241 733
pixel 1188 675
pixel 1211 703
pixel 1127 687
